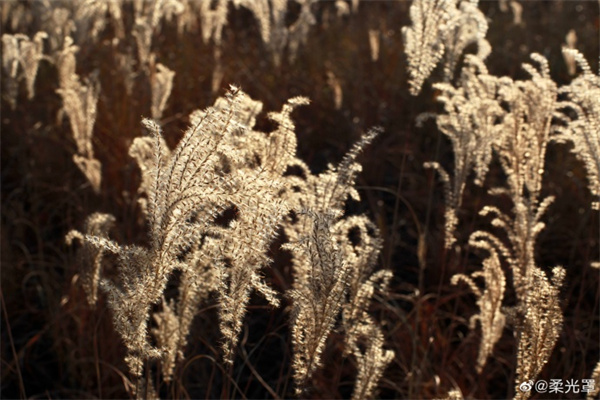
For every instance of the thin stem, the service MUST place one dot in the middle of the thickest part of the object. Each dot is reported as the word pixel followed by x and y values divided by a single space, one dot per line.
pixel 12 346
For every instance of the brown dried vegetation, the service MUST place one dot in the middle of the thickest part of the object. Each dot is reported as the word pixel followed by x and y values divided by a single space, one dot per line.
pixel 237 259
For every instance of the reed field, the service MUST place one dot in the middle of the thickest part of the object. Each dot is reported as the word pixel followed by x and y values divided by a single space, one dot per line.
pixel 300 199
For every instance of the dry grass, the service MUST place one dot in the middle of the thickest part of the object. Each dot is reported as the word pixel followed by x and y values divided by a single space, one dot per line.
pixel 249 243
